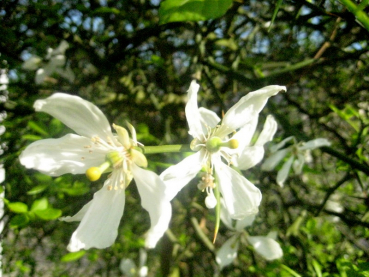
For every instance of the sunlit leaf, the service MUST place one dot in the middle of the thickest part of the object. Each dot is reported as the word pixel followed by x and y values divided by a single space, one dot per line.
pixel 192 10
pixel 48 214
pixel 18 207
pixel 70 257
pixel 37 189
pixel 39 204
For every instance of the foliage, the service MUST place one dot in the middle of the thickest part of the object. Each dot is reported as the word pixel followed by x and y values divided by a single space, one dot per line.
pixel 136 68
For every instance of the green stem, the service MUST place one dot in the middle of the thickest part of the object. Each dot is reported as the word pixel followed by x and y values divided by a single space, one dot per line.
pixel 360 15
pixel 217 212
pixel 164 148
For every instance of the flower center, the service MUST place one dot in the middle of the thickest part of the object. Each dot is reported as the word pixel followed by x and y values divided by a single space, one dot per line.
pixel 214 144
pixel 118 159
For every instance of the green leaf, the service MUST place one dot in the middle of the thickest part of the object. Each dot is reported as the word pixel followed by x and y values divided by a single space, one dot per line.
pixel 48 214
pixel 31 137
pixel 290 271
pixel 275 13
pixel 37 128
pixel 37 189
pixel 317 268
pixel 19 220
pixel 70 257
pixel 18 207
pixel 40 204
pixel 192 10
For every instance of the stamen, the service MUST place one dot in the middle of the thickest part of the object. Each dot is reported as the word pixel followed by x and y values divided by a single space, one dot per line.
pixel 94 173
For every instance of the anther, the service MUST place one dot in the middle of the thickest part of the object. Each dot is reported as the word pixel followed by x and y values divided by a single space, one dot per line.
pixel 94 173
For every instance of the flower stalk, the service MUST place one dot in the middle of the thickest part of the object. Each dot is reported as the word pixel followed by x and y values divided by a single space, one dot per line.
pixel 164 148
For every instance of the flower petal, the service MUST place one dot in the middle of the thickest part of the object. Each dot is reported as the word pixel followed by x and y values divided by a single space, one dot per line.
pixel 241 197
pixel 298 163
pixel 249 157
pixel 154 200
pixel 177 176
pixel 273 160
pixel 40 76
pixel 266 247
pixel 78 114
pixel 68 154
pixel 269 129
pixel 247 108
pixel 281 144
pixel 99 225
pixel 128 267
pixel 209 117
pixel 228 252
pixel 283 172
pixel 243 223
pixel 32 63
pixel 245 134
pixel 315 143
pixel 194 118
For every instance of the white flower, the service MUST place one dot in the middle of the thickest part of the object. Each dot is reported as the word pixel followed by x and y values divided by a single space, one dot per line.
pixel 55 64
pixel 94 150
pixel 212 143
pixel 128 267
pixel 266 246
pixel 298 154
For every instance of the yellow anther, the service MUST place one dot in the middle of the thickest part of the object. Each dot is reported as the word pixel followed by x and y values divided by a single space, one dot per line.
pixel 233 144
pixel 93 174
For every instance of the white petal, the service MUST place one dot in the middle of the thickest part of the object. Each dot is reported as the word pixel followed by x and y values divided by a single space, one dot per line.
pixel 155 201
pixel 177 176
pixel 209 117
pixel 194 118
pixel 128 267
pixel 249 157
pixel 32 63
pixel 78 114
pixel 57 61
pixel 298 163
pixel 243 223
pixel 247 108
pixel 64 45
pixel 281 144
pixel 99 226
pixel 241 197
pixel 266 247
pixel 40 76
pixel 225 216
pixel 273 160
pixel 269 129
pixel 68 154
pixel 245 134
pixel 315 143
pixel 283 172
pixel 228 252
pixel 2 174
pixel 66 73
